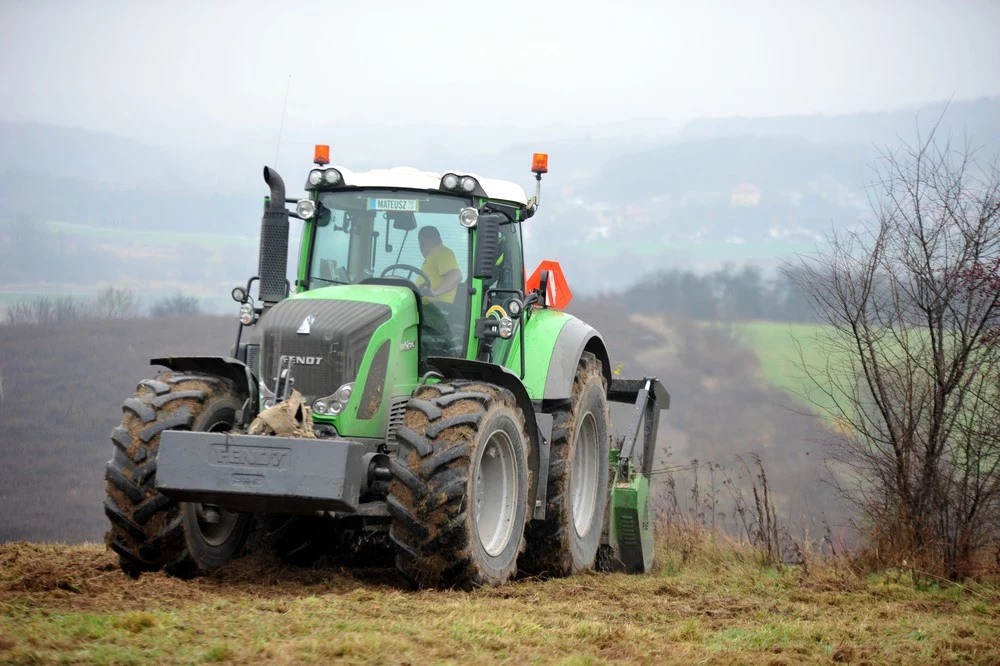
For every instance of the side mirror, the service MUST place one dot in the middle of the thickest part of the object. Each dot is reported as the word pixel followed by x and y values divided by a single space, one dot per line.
pixel 487 245
pixel 323 216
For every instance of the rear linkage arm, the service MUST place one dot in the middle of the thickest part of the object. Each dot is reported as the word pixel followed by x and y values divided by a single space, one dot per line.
pixel 649 398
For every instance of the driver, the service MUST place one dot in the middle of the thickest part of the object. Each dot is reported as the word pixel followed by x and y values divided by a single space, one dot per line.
pixel 440 266
pixel 441 269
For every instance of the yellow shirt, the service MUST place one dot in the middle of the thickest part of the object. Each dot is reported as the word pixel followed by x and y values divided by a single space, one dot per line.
pixel 439 261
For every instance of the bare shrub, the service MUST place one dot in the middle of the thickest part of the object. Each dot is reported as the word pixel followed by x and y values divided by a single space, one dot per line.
pixel 912 309
pixel 115 303
pixel 44 310
pixel 177 305
pixel 751 525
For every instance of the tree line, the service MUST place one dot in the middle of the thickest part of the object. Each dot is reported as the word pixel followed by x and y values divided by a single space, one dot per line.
pixel 109 303
pixel 728 294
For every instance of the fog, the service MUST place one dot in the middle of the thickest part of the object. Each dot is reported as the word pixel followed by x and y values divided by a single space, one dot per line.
pixel 195 74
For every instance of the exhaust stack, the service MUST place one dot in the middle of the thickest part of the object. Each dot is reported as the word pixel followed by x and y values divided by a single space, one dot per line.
pixel 273 256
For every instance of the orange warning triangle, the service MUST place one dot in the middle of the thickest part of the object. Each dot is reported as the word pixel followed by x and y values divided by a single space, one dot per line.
pixel 559 294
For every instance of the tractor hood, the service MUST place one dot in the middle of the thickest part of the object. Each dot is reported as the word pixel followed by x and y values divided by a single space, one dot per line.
pixel 326 332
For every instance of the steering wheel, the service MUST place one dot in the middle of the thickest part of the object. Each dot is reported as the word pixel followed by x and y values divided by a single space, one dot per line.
pixel 410 271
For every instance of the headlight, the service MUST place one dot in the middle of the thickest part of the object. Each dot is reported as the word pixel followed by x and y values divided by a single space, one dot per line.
pixel 469 184
pixel 514 307
pixel 315 177
pixel 246 314
pixel 506 327
pixel 306 209
pixel 450 181
pixel 468 217
pixel 332 405
pixel 331 176
pixel 343 394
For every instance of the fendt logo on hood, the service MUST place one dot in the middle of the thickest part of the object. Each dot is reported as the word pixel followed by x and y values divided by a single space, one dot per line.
pixel 305 328
pixel 302 360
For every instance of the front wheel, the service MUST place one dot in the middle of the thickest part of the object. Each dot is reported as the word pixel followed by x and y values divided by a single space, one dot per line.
pixel 148 530
pixel 459 493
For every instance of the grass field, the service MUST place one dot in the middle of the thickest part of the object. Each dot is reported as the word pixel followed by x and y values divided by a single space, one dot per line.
pixel 782 347
pixel 63 604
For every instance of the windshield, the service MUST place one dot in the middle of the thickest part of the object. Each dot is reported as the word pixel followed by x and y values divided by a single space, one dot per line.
pixel 369 233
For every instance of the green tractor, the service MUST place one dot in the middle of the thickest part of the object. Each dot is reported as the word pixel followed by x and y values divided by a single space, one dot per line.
pixel 414 390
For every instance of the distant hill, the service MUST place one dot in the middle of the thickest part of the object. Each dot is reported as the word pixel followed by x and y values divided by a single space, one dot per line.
pixel 978 118
pixel 773 164
pixel 620 201
pixel 50 173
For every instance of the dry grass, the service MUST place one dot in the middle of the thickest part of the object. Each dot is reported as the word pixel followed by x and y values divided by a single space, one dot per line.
pixel 710 601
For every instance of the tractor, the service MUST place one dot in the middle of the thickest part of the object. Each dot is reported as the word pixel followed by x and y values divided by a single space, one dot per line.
pixel 414 389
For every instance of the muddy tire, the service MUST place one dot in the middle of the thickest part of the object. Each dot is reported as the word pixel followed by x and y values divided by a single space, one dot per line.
pixel 148 530
pixel 567 541
pixel 459 492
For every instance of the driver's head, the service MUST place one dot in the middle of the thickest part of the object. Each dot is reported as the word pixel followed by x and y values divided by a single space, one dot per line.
pixel 429 239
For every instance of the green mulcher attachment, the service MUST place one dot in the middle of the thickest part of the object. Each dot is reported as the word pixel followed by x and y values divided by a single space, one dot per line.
pixel 630 528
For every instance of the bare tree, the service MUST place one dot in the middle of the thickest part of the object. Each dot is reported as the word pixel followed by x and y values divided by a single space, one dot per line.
pixel 116 303
pixel 913 309
pixel 44 310
pixel 176 305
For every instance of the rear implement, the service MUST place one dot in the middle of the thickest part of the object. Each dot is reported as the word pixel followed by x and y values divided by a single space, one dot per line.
pixel 630 531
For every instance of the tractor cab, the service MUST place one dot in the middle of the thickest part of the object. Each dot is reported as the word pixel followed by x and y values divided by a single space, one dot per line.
pixel 453 238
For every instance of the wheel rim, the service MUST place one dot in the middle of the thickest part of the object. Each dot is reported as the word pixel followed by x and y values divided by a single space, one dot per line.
pixel 496 493
pixel 216 524
pixel 583 483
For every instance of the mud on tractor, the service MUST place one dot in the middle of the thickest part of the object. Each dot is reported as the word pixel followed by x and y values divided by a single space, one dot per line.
pixel 415 386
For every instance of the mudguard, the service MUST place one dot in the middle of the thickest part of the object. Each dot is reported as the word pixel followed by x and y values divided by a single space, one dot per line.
pixel 575 337
pixel 220 366
pixel 553 343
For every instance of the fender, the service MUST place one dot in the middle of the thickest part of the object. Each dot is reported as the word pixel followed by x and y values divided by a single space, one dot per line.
pixel 575 337
pixel 220 366
pixel 460 368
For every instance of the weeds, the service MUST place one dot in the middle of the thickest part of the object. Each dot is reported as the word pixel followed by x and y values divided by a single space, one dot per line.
pixel 753 519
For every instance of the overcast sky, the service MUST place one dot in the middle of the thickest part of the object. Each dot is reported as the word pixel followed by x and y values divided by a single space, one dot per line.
pixel 152 69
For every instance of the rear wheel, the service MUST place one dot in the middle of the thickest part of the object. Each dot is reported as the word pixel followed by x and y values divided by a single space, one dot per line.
pixel 458 497
pixel 567 541
pixel 149 531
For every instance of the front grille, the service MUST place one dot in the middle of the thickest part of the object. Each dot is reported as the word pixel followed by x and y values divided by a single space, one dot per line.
pixel 396 413
pixel 330 354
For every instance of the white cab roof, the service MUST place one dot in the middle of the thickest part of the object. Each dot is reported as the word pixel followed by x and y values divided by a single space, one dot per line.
pixel 411 178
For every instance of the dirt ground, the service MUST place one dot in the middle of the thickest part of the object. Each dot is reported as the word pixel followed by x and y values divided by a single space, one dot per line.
pixel 70 604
